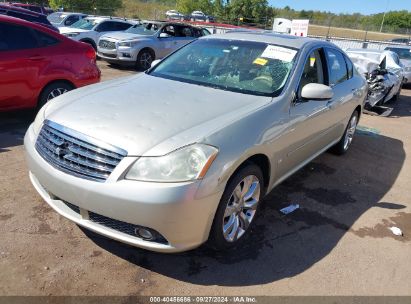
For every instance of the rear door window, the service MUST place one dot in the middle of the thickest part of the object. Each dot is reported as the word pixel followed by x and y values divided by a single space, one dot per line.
pixel 350 67
pixel 337 67
pixel 16 37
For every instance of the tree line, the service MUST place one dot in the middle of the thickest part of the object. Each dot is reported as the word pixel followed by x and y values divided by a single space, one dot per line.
pixel 253 12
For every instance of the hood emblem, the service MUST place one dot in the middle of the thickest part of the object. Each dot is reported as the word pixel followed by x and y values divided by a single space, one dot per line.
pixel 63 149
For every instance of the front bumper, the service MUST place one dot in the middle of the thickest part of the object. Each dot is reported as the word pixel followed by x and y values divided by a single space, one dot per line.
pixel 172 209
pixel 121 55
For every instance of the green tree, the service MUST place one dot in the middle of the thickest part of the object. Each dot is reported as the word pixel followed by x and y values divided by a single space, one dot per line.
pixel 106 7
pixel 253 10
pixel 188 6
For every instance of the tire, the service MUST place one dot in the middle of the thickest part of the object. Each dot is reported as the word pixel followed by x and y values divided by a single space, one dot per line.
pixel 144 59
pixel 53 90
pixel 345 142
pixel 240 214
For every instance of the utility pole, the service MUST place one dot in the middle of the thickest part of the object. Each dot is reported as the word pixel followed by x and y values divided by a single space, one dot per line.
pixel 383 17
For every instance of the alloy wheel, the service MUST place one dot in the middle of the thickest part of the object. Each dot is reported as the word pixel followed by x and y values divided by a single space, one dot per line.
pixel 241 208
pixel 349 134
pixel 56 92
pixel 145 60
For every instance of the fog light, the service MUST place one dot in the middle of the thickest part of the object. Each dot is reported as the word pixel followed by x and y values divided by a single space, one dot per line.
pixel 144 233
pixel 127 55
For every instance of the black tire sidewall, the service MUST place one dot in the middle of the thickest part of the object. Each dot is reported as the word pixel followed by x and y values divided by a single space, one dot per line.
pixel 216 239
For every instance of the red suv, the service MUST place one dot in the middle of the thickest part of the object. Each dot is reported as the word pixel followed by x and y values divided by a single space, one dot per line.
pixel 38 64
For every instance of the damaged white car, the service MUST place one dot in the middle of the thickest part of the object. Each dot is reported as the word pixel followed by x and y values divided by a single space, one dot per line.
pixel 383 71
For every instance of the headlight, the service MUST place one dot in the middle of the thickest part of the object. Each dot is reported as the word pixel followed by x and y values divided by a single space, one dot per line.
pixel 72 34
pixel 407 69
pixel 188 163
pixel 127 43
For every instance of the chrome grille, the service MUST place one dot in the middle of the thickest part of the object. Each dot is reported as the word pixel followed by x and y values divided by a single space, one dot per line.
pixel 108 45
pixel 77 154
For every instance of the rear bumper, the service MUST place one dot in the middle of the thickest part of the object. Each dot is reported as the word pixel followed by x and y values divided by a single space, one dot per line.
pixel 172 209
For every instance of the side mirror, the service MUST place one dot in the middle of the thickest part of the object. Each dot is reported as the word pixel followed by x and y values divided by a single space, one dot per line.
pixel 164 35
pixel 317 91
pixel 155 62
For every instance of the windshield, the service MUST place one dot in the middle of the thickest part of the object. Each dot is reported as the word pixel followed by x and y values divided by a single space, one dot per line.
pixel 84 24
pixel 403 53
pixel 241 66
pixel 56 17
pixel 144 29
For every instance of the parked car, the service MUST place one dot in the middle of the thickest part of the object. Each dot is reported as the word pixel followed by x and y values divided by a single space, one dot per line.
pixel 9 10
pixel 176 15
pixel 90 29
pixel 383 71
pixel 200 16
pixel 404 53
pixel 143 43
pixel 32 7
pixel 38 64
pixel 166 159
pixel 60 19
pixel 401 40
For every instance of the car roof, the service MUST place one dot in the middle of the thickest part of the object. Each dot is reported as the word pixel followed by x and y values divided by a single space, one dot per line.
pixel 374 51
pixel 19 9
pixel 37 26
pixel 268 37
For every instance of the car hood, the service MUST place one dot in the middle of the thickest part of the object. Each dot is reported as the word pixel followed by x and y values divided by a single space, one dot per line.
pixel 66 29
pixel 124 36
pixel 150 116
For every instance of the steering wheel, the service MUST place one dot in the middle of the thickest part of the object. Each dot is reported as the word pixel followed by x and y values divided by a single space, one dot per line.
pixel 264 80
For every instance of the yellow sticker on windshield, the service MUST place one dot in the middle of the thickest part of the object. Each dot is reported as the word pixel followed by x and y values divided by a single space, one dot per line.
pixel 260 61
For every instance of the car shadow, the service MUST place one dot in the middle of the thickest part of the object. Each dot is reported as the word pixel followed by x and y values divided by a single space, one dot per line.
pixel 332 192
pixel 401 108
pixel 13 126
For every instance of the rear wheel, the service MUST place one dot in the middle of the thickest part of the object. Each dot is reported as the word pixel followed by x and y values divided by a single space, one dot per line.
pixel 345 142
pixel 144 59
pixel 52 91
pixel 238 208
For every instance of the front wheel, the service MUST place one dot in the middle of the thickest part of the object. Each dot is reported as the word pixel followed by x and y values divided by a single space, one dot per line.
pixel 238 208
pixel 345 142
pixel 144 59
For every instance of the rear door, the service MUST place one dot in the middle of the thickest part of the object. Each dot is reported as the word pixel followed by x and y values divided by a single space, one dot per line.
pixel 345 87
pixel 17 83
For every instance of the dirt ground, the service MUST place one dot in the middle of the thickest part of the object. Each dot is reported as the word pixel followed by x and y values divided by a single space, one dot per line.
pixel 337 243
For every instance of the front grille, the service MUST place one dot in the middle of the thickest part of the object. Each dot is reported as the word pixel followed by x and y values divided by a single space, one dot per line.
pixel 108 45
pixel 77 154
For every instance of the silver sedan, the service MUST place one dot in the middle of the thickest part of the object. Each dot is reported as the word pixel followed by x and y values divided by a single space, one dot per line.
pixel 185 153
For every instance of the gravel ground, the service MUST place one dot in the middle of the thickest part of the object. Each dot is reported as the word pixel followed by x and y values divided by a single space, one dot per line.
pixel 337 243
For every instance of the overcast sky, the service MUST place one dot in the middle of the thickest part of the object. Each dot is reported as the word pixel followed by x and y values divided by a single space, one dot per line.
pixel 345 6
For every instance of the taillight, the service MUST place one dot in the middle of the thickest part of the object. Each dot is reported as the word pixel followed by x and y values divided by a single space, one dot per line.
pixel 91 54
